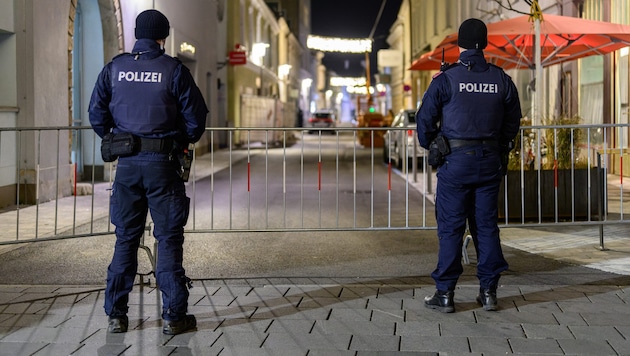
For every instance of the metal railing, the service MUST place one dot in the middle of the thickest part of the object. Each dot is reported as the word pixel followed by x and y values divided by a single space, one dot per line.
pixel 292 180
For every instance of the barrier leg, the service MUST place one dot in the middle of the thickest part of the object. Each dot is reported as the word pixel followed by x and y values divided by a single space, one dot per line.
pixel 152 255
pixel 465 258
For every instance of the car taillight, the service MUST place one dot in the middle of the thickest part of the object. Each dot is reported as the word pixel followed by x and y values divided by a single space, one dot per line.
pixel 311 119
pixel 410 133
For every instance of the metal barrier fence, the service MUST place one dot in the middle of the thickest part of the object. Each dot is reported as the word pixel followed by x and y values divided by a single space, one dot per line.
pixel 299 180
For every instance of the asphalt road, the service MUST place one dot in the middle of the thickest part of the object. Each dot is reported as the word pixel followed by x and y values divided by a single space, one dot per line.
pixel 395 253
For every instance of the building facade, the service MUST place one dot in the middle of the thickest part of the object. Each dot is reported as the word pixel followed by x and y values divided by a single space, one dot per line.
pixel 51 53
pixel 594 88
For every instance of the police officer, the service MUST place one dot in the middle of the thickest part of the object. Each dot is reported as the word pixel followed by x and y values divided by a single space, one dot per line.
pixel 151 100
pixel 475 107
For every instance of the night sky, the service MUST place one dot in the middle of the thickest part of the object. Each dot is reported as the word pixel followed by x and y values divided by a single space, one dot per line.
pixel 352 19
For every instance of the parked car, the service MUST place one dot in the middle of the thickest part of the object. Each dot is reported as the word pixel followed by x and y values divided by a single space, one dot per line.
pixel 321 119
pixel 402 142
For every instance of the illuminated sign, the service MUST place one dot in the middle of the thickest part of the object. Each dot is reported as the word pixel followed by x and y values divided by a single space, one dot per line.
pixel 186 47
pixel 345 45
pixel 347 81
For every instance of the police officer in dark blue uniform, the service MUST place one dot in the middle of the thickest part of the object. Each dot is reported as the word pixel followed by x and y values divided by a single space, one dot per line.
pixel 147 108
pixel 469 114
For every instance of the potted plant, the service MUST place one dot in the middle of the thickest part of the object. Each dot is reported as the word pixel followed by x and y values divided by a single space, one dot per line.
pixel 548 176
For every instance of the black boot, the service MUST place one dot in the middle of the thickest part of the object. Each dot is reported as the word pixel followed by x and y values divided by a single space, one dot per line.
pixel 117 324
pixel 441 300
pixel 488 299
pixel 175 327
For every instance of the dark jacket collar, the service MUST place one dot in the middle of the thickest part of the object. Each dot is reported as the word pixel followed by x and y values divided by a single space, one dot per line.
pixel 147 48
pixel 473 58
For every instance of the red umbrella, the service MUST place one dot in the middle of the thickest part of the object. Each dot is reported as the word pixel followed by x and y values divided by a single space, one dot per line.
pixel 511 42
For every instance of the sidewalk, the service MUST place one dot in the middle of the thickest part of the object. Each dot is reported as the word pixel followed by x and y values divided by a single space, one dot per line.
pixel 582 308
pixel 323 317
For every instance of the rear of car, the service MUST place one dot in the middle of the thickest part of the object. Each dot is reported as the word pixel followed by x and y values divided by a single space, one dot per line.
pixel 321 119
pixel 402 143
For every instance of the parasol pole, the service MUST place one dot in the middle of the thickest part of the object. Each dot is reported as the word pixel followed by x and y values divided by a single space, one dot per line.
pixel 537 104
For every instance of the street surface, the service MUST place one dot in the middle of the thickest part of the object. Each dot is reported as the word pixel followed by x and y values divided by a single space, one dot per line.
pixel 285 190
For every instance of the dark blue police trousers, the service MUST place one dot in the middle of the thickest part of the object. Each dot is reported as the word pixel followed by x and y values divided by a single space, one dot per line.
pixel 467 188
pixel 148 182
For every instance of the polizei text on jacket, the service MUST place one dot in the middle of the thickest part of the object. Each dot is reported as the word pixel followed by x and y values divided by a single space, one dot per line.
pixel 491 88
pixel 141 77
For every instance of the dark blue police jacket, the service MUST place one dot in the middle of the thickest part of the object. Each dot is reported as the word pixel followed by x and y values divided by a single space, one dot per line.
pixel 473 100
pixel 149 94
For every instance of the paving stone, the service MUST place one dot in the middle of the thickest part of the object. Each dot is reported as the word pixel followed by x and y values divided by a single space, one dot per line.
pixel 506 330
pixel 337 303
pixel 333 353
pixel 352 327
pixel 194 339
pixel 20 348
pixel 150 336
pixel 490 345
pixel 427 314
pixel 247 325
pixel 251 351
pixel 394 315
pixel 422 328
pixel 290 312
pixel 516 317
pixel 569 318
pixel 394 353
pixel 261 301
pixel 375 342
pixel 200 288
pixel 538 331
pixel 535 346
pixel 442 344
pixel 612 297
pixel 296 325
pixel 622 347
pixel 232 291
pixel 350 314
pixel 624 330
pixel 359 292
pixel 307 341
pixel 315 291
pixel 101 349
pixel 268 291
pixel 602 318
pixel 220 313
pixel 396 292
pixel 605 332
pixel 373 320
pixel 586 347
pixel 538 307
pixel 56 349
pixel 239 338
pixel 208 324
pixel 384 303
pixel 24 308
pixel 30 297
pixel 31 320
pixel 156 350
pixel 215 300
pixel 579 307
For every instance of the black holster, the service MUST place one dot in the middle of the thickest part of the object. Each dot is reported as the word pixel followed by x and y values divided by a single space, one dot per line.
pixel 117 145
pixel 438 149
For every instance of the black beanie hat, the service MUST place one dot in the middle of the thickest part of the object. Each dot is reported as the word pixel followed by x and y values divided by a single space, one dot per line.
pixel 472 34
pixel 152 24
